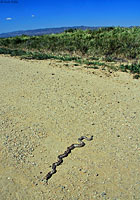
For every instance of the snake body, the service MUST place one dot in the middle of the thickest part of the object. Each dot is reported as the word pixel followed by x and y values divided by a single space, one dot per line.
pixel 65 154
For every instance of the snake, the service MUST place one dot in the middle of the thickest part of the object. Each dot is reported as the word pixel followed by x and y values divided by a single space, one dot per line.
pixel 65 154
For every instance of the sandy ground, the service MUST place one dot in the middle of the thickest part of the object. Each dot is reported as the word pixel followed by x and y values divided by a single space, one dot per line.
pixel 44 107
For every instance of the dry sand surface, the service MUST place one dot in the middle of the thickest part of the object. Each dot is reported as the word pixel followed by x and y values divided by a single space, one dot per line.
pixel 44 107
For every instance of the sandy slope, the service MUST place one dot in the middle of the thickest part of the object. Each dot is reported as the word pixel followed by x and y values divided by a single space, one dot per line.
pixel 44 107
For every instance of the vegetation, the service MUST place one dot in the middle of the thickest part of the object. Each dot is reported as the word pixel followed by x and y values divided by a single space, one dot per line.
pixel 133 68
pixel 109 43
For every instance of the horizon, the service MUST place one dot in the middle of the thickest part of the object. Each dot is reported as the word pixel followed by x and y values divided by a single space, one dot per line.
pixel 61 27
pixel 24 15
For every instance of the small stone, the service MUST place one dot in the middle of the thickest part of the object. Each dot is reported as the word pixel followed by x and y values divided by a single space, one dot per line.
pixel 97 174
pixel 63 187
pixel 33 163
pixel 118 135
pixel 103 194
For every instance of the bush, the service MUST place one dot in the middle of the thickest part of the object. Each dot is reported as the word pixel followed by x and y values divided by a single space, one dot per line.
pixel 107 42
pixel 136 76
pixel 133 68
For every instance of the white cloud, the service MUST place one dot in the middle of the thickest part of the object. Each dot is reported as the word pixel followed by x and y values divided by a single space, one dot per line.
pixel 8 18
pixel 33 15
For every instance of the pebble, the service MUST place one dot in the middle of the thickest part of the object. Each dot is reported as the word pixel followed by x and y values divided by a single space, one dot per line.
pixel 103 194
pixel 62 187
pixel 21 144
pixel 118 135
pixel 97 174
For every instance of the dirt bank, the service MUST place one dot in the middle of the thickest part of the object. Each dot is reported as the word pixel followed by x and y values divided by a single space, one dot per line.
pixel 44 107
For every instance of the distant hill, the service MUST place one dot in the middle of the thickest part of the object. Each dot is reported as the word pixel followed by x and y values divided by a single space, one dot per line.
pixel 44 31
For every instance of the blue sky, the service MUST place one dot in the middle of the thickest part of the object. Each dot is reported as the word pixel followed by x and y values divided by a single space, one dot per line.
pixel 33 14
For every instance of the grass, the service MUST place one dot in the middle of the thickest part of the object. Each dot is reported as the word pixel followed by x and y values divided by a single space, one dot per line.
pixel 105 42
pixel 133 68
pixel 111 44
pixel 35 55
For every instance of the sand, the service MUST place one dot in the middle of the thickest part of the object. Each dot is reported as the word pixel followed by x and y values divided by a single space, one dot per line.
pixel 44 107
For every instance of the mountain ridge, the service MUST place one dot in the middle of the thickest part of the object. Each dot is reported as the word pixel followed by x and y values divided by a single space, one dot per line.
pixel 43 31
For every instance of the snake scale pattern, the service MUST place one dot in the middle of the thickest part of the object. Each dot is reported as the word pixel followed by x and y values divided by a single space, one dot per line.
pixel 65 154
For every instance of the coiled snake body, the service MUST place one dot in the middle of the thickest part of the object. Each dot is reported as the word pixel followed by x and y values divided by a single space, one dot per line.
pixel 65 154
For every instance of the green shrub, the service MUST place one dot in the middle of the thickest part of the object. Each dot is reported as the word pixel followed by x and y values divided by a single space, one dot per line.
pixel 108 59
pixel 108 42
pixel 136 76
pixel 133 68
pixel 17 52
pixel 4 51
